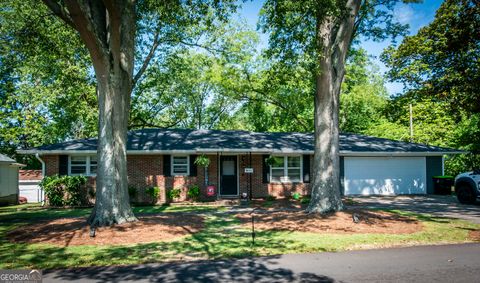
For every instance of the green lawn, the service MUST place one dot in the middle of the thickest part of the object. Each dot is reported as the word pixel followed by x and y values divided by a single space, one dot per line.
pixel 221 237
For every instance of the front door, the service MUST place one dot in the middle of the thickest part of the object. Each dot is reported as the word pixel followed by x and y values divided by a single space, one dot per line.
pixel 228 175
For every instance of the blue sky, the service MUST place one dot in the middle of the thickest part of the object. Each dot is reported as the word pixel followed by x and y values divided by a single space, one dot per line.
pixel 416 15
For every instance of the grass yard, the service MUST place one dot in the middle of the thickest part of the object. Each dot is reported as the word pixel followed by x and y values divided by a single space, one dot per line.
pixel 223 235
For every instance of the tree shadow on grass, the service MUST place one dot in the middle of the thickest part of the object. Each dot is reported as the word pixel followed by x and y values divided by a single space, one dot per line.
pixel 219 239
pixel 419 216
pixel 263 269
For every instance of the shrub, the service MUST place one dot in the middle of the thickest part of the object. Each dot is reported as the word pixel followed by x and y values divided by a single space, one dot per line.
pixel 64 190
pixel 173 194
pixel 271 198
pixel 305 200
pixel 153 192
pixel 193 192
pixel 202 161
pixel 132 193
pixel 296 196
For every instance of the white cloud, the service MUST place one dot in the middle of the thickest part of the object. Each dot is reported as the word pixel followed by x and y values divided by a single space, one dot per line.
pixel 404 14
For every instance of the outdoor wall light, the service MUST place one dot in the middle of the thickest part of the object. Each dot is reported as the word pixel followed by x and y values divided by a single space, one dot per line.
pixel 244 196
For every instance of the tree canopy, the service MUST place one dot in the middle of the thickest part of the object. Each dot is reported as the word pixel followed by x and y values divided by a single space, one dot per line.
pixel 198 67
pixel 440 68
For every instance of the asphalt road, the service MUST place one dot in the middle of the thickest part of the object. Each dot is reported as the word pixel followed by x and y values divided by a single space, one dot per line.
pixel 448 263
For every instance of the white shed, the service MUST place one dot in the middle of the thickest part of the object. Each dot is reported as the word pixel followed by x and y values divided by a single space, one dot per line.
pixel 8 180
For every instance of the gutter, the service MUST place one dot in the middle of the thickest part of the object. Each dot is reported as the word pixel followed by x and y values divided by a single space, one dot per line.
pixel 37 156
pixel 252 150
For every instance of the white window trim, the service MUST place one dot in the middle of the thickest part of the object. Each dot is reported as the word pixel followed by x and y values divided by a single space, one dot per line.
pixel 87 173
pixel 179 174
pixel 285 169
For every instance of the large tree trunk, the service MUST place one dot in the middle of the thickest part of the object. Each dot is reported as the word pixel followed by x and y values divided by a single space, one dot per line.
pixel 112 200
pixel 114 78
pixel 334 35
pixel 108 29
pixel 326 182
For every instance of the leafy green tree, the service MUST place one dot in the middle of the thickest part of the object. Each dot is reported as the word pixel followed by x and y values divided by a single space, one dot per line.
pixel 442 59
pixel 441 64
pixel 318 35
pixel 363 96
pixel 112 31
pixel 198 88
pixel 47 92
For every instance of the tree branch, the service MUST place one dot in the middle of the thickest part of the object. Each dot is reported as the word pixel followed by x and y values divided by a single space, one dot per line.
pixel 59 11
pixel 270 101
pixel 82 22
pixel 143 123
pixel 146 62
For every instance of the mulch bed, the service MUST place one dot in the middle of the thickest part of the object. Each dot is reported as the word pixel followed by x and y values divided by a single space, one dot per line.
pixel 337 223
pixel 74 231
pixel 474 235
pixel 280 203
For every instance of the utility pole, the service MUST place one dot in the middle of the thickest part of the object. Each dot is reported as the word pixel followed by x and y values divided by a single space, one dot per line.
pixel 411 123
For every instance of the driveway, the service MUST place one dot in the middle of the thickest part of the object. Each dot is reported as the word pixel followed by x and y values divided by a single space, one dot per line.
pixel 437 205
pixel 449 263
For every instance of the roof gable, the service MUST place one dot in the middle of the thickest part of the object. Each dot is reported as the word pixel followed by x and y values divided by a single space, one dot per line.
pixel 6 159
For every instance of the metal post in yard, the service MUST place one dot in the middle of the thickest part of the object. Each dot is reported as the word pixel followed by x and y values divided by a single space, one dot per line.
pixel 253 230
pixel 253 226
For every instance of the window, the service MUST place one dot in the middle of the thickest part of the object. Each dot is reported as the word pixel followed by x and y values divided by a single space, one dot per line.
pixel 180 165
pixel 286 169
pixel 82 165
pixel 278 170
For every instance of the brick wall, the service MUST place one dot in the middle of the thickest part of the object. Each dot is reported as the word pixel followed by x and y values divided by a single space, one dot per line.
pixel 51 164
pixel 260 189
pixel 147 171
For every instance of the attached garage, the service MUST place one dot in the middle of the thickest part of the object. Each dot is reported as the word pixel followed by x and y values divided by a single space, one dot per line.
pixel 385 175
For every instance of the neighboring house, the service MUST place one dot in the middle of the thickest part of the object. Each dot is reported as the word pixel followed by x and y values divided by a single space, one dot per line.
pixel 8 180
pixel 165 158
pixel 29 188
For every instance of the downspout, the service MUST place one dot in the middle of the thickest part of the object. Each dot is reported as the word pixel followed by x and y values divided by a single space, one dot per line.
pixel 43 176
pixel 443 165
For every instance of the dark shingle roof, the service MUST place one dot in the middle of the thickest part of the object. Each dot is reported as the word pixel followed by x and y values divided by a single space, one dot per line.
pixel 216 140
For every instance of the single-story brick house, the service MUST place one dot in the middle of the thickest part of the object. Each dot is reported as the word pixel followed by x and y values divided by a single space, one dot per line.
pixel 164 158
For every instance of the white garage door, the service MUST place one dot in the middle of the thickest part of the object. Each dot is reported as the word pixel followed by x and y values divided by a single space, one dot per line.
pixel 30 190
pixel 385 175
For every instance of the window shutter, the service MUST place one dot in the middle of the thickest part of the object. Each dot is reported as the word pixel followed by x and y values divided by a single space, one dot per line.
pixel 166 166
pixel 193 166
pixel 306 168
pixel 265 169
pixel 63 165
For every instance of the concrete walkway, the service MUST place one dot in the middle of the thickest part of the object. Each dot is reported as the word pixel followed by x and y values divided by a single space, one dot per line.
pixel 437 205
pixel 449 263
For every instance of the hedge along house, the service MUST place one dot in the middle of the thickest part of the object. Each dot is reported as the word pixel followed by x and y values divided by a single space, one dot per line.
pixel 259 164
